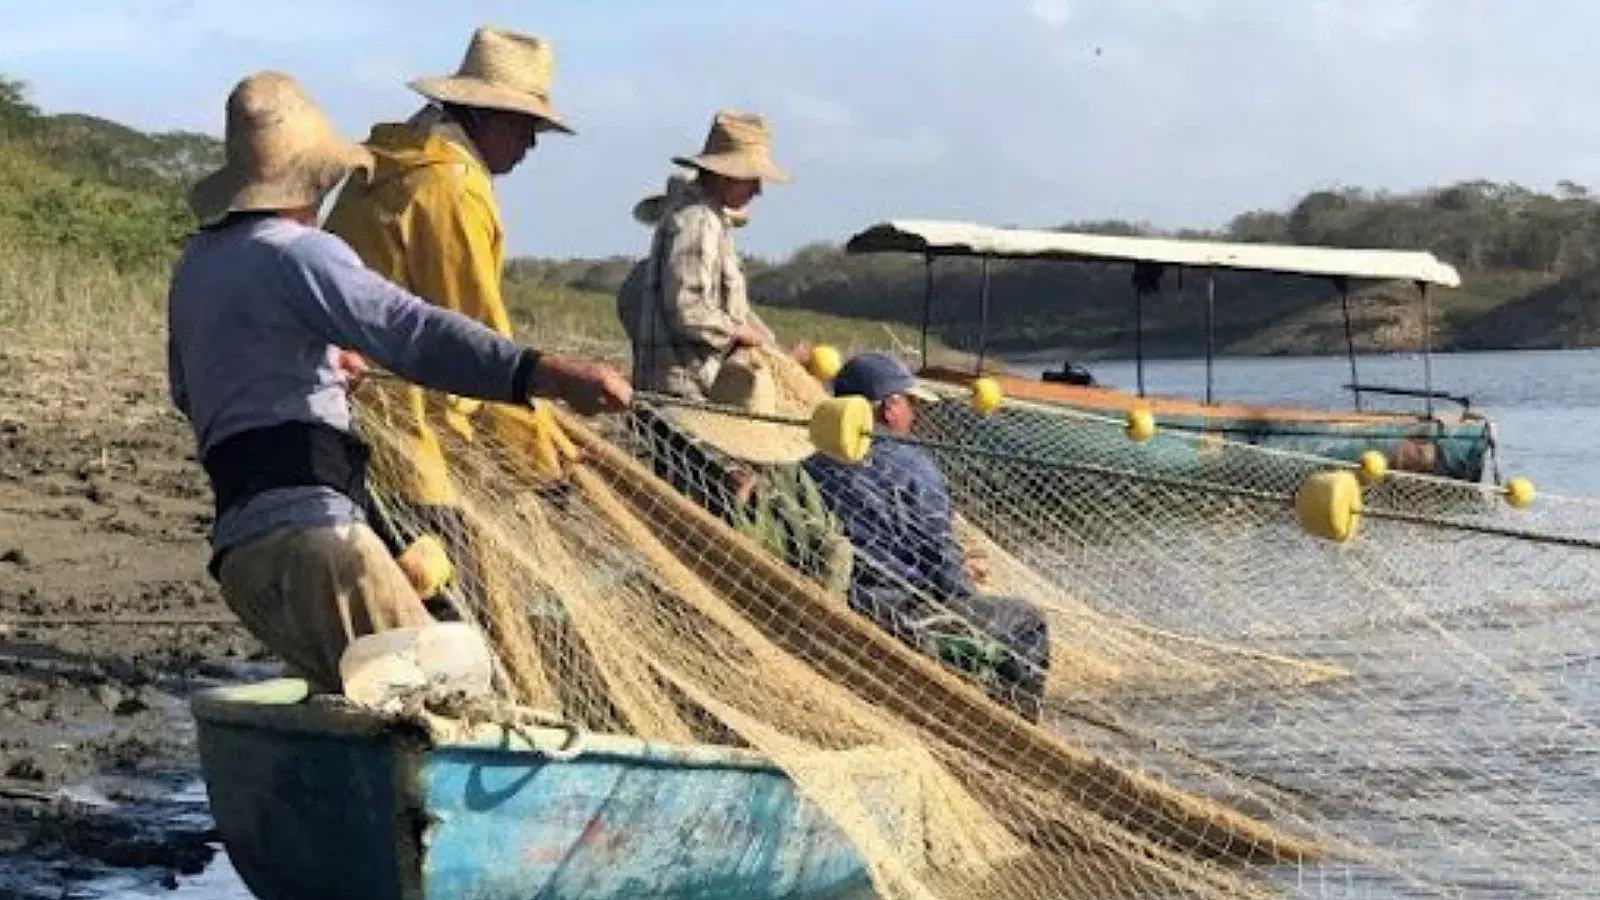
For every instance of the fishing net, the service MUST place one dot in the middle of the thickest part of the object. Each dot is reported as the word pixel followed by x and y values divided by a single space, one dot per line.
pixel 1230 706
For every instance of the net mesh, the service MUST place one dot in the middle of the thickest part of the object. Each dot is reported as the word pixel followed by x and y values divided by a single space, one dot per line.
pixel 1226 706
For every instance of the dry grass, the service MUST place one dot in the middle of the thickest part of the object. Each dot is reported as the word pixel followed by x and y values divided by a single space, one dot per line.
pixel 50 300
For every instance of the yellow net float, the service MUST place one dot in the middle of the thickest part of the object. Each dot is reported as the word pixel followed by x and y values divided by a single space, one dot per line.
pixel 1328 505
pixel 1374 466
pixel 1141 424
pixel 825 362
pixel 1519 492
pixel 841 428
pixel 426 565
pixel 986 395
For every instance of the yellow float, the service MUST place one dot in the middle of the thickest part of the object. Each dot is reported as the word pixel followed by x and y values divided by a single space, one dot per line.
pixel 1141 425
pixel 841 428
pixel 1328 505
pixel 825 362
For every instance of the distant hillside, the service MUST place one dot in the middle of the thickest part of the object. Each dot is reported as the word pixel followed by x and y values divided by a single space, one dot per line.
pixel 94 189
pixel 1512 244
pixel 92 214
pixel 86 189
pixel 1558 316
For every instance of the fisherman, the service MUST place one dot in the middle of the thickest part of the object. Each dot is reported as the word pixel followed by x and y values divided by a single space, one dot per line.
pixel 260 303
pixel 911 576
pixel 685 308
pixel 426 218
pixel 755 482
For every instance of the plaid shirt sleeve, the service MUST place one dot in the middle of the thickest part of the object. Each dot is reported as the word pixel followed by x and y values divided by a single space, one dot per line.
pixel 696 304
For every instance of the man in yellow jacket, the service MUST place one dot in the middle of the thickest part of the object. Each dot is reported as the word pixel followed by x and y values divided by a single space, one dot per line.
pixel 426 218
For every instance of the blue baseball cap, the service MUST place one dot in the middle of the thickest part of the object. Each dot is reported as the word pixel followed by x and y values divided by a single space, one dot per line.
pixel 876 376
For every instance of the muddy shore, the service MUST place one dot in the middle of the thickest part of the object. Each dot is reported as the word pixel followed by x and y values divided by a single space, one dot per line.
pixel 108 621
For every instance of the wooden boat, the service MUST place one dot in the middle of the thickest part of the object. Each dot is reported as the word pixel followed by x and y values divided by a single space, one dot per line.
pixel 318 800
pixel 1452 444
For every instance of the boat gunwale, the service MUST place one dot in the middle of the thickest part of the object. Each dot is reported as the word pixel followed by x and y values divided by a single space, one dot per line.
pixel 280 705
pixel 1020 388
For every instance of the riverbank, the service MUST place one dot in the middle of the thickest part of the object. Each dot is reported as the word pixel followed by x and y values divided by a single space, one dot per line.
pixel 108 622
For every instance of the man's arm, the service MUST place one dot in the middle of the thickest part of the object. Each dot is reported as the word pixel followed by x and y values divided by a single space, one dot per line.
pixel 688 288
pixel 177 384
pixel 938 548
pixel 355 308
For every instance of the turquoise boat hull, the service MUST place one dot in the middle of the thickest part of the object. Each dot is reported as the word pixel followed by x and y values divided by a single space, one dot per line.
pixel 317 801
pixel 1083 425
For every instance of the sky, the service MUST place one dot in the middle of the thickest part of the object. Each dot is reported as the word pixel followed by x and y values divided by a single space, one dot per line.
pixel 1005 112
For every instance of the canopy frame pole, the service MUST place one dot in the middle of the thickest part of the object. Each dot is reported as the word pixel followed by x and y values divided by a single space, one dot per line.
pixel 983 316
pixel 1427 345
pixel 1343 285
pixel 1138 337
pixel 1211 327
pixel 927 304
pixel 1146 280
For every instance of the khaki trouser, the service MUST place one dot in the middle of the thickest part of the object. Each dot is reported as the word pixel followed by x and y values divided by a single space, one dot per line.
pixel 308 592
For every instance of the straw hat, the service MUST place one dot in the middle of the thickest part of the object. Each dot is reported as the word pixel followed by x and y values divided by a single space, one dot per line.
pixel 739 146
pixel 651 210
pixel 503 70
pixel 281 153
pixel 745 383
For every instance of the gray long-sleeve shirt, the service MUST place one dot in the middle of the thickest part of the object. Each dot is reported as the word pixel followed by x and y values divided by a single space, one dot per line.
pixel 254 311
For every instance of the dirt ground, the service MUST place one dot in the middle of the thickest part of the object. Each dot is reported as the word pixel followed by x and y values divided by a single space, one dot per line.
pixel 103 522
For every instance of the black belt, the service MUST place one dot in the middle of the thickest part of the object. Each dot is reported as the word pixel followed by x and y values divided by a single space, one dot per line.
pixel 293 454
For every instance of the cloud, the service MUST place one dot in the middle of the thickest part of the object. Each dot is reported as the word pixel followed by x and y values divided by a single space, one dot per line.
pixel 55 37
pixel 825 132
pixel 1053 13
pixel 1180 112
pixel 1377 21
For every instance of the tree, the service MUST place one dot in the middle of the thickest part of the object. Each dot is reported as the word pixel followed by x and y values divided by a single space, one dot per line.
pixel 16 113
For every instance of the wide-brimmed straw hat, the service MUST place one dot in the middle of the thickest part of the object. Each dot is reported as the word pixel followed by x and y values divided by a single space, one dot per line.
pixel 652 209
pixel 503 70
pixel 746 384
pixel 739 146
pixel 280 152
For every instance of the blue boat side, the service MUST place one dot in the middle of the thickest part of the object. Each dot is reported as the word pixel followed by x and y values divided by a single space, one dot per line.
pixel 622 825
pixel 316 801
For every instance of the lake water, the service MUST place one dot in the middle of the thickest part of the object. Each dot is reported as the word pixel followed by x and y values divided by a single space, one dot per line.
pixel 1547 409
pixel 1545 404
pixel 1466 743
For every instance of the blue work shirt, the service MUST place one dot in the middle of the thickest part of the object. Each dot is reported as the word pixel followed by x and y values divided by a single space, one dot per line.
pixel 896 510
pixel 253 312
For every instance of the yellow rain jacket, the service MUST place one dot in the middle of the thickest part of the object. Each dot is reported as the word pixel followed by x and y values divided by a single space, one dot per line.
pixel 426 219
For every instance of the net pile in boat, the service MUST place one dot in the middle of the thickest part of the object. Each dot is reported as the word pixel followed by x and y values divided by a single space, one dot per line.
pixel 1235 708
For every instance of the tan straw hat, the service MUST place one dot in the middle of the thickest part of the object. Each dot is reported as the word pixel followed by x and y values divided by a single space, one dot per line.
pixel 652 209
pixel 281 153
pixel 745 383
pixel 739 146
pixel 503 70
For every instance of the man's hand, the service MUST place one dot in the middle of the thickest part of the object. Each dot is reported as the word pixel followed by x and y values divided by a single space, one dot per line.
pixel 590 388
pixel 742 481
pixel 348 366
pixel 977 565
pixel 749 335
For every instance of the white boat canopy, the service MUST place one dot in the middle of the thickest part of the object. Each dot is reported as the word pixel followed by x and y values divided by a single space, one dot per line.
pixel 936 238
